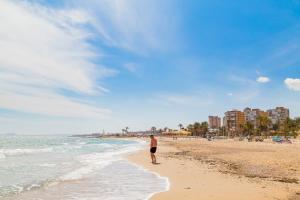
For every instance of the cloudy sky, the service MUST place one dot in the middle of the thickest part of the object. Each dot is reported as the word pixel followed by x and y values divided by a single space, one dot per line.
pixel 81 66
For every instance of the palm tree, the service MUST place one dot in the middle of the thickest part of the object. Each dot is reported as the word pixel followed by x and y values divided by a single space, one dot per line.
pixel 248 128
pixel 160 131
pixel 286 126
pixel 297 124
pixel 153 129
pixel 263 123
pixel 290 127
pixel 204 128
pixel 297 121
pixel 166 129
pixel 125 130
pixel 276 127
pixel 180 126
pixel 196 129
pixel 190 128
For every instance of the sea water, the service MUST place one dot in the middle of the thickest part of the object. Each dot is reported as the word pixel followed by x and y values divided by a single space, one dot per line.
pixel 62 167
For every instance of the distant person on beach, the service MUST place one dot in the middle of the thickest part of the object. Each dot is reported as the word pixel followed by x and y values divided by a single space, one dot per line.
pixel 153 147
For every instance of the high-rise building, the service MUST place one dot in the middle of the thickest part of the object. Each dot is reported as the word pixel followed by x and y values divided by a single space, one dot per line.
pixel 234 121
pixel 214 122
pixel 251 116
pixel 278 115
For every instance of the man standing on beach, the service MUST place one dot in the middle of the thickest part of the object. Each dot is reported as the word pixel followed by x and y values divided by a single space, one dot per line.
pixel 153 147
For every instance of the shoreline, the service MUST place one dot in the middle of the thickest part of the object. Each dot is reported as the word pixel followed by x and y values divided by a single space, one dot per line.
pixel 192 178
pixel 129 157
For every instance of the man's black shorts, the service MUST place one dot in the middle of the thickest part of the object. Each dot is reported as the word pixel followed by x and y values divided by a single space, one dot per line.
pixel 152 149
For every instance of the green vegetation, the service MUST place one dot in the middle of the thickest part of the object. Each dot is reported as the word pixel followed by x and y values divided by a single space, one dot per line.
pixel 198 129
pixel 287 128
pixel 180 126
pixel 263 125
pixel 248 128
pixel 290 127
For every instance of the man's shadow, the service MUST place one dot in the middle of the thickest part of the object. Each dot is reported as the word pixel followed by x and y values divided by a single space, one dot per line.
pixel 156 163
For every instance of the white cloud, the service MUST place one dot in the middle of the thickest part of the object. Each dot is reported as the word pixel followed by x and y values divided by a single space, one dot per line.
pixel 131 67
pixel 44 51
pixel 135 25
pixel 263 79
pixel 49 103
pixel 292 83
pixel 135 69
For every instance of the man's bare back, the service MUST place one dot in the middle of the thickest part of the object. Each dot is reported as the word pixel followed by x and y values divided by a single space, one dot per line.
pixel 153 148
pixel 153 142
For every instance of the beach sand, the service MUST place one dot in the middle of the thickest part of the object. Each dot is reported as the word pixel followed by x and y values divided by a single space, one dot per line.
pixel 225 169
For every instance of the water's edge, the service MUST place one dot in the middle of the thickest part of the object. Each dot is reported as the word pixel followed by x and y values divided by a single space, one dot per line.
pixel 80 176
pixel 166 179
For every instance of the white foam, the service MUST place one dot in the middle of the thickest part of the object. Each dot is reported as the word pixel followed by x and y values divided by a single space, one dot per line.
pixel 33 186
pixel 105 163
pixel 90 163
pixel 18 188
pixel 47 165
pixel 167 187
pixel 105 145
pixel 2 156
pixel 81 172
pixel 96 161
pixel 166 179
pixel 16 152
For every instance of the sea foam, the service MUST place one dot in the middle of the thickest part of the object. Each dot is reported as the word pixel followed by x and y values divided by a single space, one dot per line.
pixel 75 166
pixel 96 161
pixel 2 155
pixel 16 152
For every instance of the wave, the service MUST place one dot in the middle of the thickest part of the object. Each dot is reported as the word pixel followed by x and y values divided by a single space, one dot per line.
pixel 165 179
pixel 96 161
pixel 66 147
pixel 102 163
pixel 2 156
pixel 16 152
pixel 17 189
pixel 10 190
pixel 47 165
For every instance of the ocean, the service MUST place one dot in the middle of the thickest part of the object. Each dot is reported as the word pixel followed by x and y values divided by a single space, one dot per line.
pixel 62 167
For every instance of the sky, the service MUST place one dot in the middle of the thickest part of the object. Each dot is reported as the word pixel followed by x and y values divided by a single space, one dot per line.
pixel 84 66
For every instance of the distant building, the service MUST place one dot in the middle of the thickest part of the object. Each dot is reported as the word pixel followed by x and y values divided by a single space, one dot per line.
pixel 234 121
pixel 251 116
pixel 278 115
pixel 214 122
pixel 224 122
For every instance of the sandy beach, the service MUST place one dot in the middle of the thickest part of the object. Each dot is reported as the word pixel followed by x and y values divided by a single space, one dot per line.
pixel 225 169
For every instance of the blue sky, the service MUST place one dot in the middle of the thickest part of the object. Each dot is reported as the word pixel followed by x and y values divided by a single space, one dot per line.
pixel 79 66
